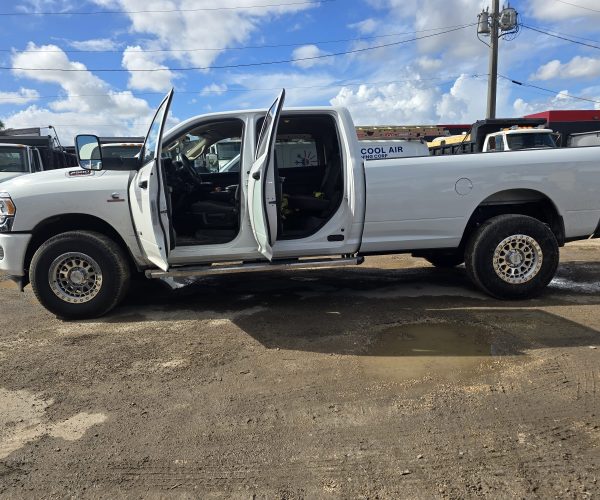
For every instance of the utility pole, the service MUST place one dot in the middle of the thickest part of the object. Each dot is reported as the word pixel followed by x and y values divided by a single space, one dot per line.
pixel 493 73
pixel 496 24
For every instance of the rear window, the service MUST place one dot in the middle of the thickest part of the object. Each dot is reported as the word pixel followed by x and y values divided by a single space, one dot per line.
pixel 296 150
pixel 13 160
pixel 530 141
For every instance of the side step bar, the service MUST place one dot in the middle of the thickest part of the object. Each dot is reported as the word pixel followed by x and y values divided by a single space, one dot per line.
pixel 287 265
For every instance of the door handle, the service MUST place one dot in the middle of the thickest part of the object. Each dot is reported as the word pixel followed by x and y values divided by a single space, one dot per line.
pixel 256 175
pixel 143 184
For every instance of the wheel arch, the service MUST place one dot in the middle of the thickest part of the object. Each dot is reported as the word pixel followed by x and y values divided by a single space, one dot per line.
pixel 63 223
pixel 521 201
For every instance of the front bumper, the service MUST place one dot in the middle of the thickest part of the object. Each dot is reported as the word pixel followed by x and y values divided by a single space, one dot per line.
pixel 12 253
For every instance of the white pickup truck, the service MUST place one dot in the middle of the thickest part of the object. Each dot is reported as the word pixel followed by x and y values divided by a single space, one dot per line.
pixel 18 159
pixel 79 235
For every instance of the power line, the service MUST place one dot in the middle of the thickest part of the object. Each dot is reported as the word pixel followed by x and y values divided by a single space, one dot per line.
pixel 232 66
pixel 245 47
pixel 561 37
pixel 554 32
pixel 555 92
pixel 164 11
pixel 338 84
pixel 578 6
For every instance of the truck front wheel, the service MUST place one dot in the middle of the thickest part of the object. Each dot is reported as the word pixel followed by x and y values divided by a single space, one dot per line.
pixel 79 274
pixel 512 257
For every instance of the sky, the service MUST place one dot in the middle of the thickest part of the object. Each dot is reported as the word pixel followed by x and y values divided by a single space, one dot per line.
pixel 102 66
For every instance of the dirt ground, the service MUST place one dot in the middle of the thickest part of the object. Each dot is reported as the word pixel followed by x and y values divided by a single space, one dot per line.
pixel 390 380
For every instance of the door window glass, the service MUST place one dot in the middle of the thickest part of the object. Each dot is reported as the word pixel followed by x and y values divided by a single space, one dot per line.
pixel 263 138
pixel 153 137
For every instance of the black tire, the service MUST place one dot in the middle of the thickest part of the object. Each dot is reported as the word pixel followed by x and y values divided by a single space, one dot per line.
pixel 65 297
pixel 505 272
pixel 445 260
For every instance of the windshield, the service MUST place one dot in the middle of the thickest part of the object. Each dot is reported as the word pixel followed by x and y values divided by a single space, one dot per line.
pixel 530 141
pixel 13 160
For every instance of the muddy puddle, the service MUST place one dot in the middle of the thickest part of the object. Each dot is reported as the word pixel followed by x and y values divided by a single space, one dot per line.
pixel 438 352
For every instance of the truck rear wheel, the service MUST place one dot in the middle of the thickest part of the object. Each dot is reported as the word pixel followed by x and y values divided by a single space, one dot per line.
pixel 79 274
pixel 512 257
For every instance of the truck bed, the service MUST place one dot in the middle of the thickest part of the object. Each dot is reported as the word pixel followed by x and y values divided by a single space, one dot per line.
pixel 417 203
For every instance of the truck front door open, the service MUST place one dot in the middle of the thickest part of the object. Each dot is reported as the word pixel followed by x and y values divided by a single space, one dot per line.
pixel 263 188
pixel 147 193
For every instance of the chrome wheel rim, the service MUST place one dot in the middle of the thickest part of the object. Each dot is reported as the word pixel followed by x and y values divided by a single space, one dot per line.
pixel 518 259
pixel 75 277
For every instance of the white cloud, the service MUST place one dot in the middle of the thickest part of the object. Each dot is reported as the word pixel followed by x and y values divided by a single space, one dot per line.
pixel 46 5
pixel 134 58
pixel 214 89
pixel 578 67
pixel 561 100
pixel 365 27
pixel 302 89
pixel 415 102
pixel 396 103
pixel 22 96
pixel 466 101
pixel 524 108
pixel 96 44
pixel 428 14
pixel 312 54
pixel 98 109
pixel 429 63
pixel 558 11
pixel 199 29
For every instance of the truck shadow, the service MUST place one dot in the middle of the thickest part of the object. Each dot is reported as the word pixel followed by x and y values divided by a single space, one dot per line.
pixel 377 312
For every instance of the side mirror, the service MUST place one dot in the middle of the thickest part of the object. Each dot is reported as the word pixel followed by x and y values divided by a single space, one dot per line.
pixel 89 153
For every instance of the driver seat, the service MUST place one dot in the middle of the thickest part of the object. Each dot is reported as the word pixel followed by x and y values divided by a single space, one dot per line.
pixel 218 209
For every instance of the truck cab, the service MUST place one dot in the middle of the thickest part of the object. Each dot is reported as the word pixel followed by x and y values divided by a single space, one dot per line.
pixel 294 188
pixel 518 138
pixel 18 159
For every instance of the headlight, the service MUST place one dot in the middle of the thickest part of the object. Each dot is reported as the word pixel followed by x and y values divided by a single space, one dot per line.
pixel 7 212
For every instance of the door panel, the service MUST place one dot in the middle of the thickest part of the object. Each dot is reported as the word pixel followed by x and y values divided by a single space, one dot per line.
pixel 263 205
pixel 147 194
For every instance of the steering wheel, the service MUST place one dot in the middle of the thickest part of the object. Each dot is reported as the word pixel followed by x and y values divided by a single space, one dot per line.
pixel 188 167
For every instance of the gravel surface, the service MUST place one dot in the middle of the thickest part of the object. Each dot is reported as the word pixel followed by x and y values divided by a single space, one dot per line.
pixel 390 380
